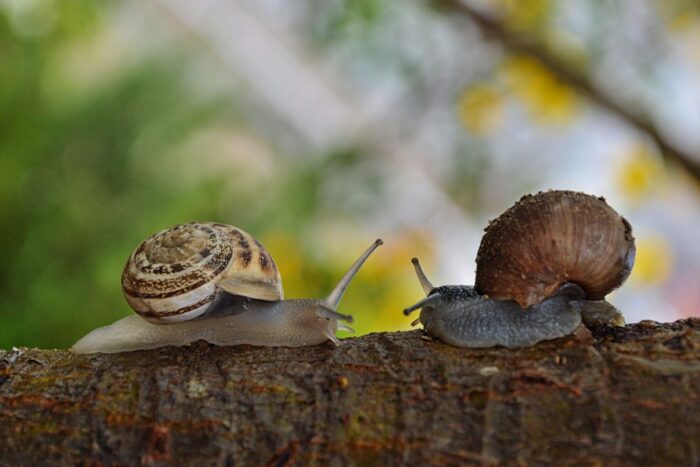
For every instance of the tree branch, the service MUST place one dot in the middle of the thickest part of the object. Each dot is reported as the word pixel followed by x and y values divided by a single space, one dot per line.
pixel 616 396
pixel 581 83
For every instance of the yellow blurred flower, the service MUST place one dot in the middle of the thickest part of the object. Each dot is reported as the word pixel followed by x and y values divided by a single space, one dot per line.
pixel 480 108
pixel 523 15
pixel 653 262
pixel 639 173
pixel 678 16
pixel 683 22
pixel 548 100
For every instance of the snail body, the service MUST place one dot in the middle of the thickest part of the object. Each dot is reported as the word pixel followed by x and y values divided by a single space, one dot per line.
pixel 543 267
pixel 214 282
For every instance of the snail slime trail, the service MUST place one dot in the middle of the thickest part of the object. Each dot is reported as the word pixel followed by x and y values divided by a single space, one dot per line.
pixel 543 266
pixel 214 282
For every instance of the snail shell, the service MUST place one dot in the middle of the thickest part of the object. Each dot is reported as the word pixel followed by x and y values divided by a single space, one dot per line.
pixel 549 239
pixel 176 274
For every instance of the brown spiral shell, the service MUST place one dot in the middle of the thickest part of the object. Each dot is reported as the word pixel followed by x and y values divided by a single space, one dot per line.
pixel 551 238
pixel 175 274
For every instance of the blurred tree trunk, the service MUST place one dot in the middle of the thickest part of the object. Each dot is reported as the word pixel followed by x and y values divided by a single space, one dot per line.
pixel 616 396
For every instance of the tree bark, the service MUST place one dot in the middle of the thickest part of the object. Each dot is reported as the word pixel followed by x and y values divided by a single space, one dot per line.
pixel 610 396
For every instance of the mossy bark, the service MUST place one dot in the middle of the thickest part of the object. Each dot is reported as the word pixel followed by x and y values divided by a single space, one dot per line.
pixel 613 396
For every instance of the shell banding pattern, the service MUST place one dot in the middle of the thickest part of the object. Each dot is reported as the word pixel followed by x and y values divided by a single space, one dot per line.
pixel 173 275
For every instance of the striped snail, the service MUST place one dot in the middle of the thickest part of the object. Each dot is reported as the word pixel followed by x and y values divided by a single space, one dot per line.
pixel 214 282
pixel 543 267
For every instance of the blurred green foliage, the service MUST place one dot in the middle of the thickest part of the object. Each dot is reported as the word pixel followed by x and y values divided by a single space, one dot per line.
pixel 74 196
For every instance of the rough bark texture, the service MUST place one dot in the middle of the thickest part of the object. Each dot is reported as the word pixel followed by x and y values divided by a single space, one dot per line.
pixel 614 396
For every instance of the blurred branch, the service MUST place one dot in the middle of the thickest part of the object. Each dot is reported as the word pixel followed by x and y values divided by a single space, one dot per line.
pixel 583 84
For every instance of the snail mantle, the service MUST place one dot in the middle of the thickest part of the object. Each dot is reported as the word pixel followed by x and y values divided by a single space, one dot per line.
pixel 610 396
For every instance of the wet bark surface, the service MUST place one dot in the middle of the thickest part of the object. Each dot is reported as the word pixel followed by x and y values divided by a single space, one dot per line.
pixel 612 396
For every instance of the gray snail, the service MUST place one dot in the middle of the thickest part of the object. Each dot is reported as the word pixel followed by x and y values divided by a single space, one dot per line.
pixel 214 282
pixel 544 266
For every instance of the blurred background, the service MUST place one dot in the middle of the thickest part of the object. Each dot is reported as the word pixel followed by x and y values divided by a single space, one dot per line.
pixel 320 125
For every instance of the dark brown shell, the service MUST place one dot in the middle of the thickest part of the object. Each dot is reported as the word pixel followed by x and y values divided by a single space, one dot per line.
pixel 551 238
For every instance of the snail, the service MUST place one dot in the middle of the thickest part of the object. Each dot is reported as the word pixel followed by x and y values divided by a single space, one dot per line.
pixel 544 266
pixel 217 283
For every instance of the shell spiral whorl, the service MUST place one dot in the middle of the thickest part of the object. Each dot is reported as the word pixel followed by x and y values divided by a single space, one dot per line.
pixel 551 238
pixel 175 274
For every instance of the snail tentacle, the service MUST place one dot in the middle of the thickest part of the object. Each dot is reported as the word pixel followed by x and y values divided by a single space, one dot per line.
pixel 345 327
pixel 337 294
pixel 430 301
pixel 328 313
pixel 422 278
